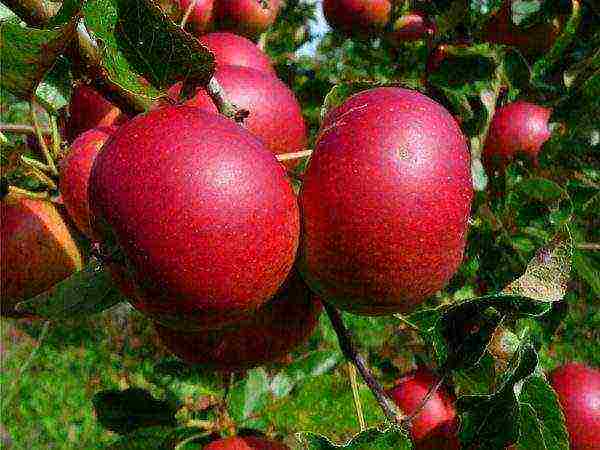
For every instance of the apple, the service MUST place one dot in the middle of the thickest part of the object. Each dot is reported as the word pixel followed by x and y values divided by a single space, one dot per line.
pixel 233 50
pixel 436 426
pixel 578 390
pixel 385 201
pixel 412 26
pixel 249 18
pixel 201 15
pixel 75 171
pixel 89 109
pixel 37 250
pixel 245 443
pixel 519 128
pixel 264 336
pixel 357 17
pixel 205 219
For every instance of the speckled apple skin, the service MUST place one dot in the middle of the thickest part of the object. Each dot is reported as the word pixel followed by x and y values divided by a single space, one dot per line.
pixel 436 426
pixel 37 250
pixel 578 389
pixel 517 128
pixel 88 109
pixel 358 17
pixel 246 17
pixel 412 26
pixel 275 114
pixel 267 335
pixel 200 18
pixel 233 50
pixel 385 202
pixel 75 171
pixel 202 211
pixel 245 443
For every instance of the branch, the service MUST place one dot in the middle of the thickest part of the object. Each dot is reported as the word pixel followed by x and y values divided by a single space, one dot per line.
pixel 21 129
pixel 351 353
pixel 35 13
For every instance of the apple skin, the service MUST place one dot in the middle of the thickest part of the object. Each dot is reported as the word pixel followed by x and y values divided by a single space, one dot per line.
pixel 204 215
pixel 37 250
pixel 245 443
pixel 267 335
pixel 578 390
pixel 249 18
pixel 75 171
pixel 517 128
pixel 275 114
pixel 413 26
pixel 200 18
pixel 385 202
pixel 436 426
pixel 88 109
pixel 233 50
pixel 357 17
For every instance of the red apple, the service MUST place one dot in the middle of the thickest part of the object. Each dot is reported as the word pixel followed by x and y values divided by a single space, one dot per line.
pixel 412 27
pixel 37 250
pixel 358 17
pixel 436 426
pixel 233 50
pixel 202 211
pixel 247 17
pixel 517 128
pixel 578 390
pixel 88 109
pixel 385 200
pixel 245 443
pixel 75 171
pixel 201 15
pixel 265 336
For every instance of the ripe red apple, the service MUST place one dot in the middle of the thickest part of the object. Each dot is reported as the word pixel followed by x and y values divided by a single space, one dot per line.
pixel 233 50
pixel 275 114
pixel 385 201
pixel 37 250
pixel 436 426
pixel 517 128
pixel 412 27
pixel 88 109
pixel 264 336
pixel 201 15
pixel 249 18
pixel 202 211
pixel 578 390
pixel 75 171
pixel 245 443
pixel 358 17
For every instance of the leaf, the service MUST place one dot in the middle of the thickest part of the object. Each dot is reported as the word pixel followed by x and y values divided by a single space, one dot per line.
pixel 523 9
pixel 54 92
pixel 86 292
pixel 588 269
pixel 249 395
pixel 28 53
pixel 131 409
pixel 370 439
pixel 542 189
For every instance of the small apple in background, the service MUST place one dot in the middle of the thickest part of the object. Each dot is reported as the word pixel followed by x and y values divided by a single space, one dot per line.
pixel 75 171
pixel 519 128
pixel 37 250
pixel 386 200
pixel 202 211
pixel 266 335
pixel 357 17
pixel 413 26
pixel 245 443
pixel 578 390
pixel 436 426
pixel 249 18
pixel 200 17
pixel 233 50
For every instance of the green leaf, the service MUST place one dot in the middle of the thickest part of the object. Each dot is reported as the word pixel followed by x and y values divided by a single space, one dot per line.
pixel 86 292
pixel 249 395
pixel 522 9
pixel 370 439
pixel 587 269
pixel 28 53
pixel 542 189
pixel 54 92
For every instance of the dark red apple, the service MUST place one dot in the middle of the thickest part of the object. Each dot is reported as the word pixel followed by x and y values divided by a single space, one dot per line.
pixel 519 128
pixel 357 17
pixel 88 109
pixel 275 114
pixel 202 211
pixel 385 202
pixel 412 27
pixel 75 171
pixel 578 390
pixel 436 426
pixel 201 14
pixel 249 18
pixel 233 50
pixel 37 250
pixel 265 336
pixel 245 443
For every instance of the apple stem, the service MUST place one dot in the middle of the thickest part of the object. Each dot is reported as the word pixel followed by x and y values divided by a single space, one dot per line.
pixel 432 390
pixel 356 395
pixel 186 16
pixel 21 129
pixel 56 139
pixel 14 191
pixel 41 140
pixel 352 354
pixel 225 107
pixel 293 155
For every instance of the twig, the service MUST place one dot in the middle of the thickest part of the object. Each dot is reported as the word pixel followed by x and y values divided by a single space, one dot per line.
pixel 55 136
pixel 293 155
pixel 356 395
pixel 188 11
pixel 588 246
pixel 41 140
pixel 22 129
pixel 224 106
pixel 351 353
